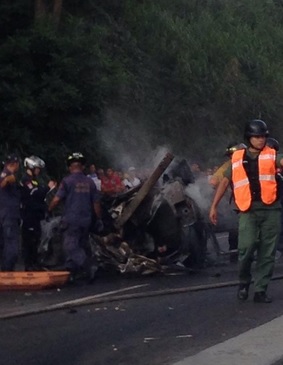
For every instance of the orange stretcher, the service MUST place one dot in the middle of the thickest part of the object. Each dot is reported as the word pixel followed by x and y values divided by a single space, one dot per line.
pixel 35 280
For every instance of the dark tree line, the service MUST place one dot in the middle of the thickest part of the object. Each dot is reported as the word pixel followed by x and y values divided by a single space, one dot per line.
pixel 186 73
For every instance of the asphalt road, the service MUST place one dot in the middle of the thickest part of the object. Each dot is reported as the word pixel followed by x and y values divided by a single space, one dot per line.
pixel 151 330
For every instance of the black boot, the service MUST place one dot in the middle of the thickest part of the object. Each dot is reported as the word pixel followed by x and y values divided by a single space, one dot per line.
pixel 243 292
pixel 262 297
pixel 72 277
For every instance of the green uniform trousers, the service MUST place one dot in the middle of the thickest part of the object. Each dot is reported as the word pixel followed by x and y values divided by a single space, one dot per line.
pixel 258 231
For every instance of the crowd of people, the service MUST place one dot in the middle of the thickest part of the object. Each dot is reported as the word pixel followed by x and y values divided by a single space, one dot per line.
pixel 252 173
pixel 27 201
pixel 111 182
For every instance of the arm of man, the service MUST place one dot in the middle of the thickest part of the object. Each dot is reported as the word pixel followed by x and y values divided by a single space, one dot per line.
pixel 214 181
pixel 217 177
pixel 222 187
pixel 54 202
pixel 95 198
pixel 7 180
pixel 60 195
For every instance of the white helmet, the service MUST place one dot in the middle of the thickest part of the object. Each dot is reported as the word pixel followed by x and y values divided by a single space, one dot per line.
pixel 33 161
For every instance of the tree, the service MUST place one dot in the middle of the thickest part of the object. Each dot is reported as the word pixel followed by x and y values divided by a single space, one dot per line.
pixel 44 8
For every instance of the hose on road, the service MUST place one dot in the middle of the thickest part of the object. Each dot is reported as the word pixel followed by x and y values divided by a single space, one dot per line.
pixel 114 298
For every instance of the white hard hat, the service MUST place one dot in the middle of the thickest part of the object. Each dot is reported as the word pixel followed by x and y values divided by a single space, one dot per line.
pixel 33 162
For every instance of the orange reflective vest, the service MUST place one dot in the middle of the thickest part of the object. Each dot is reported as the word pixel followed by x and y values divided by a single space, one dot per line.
pixel 267 178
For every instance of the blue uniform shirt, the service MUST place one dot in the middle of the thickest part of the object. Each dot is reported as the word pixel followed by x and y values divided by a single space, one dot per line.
pixel 79 194
pixel 32 198
pixel 9 198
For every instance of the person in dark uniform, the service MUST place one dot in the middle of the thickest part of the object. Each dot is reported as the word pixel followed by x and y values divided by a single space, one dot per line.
pixel 9 213
pixel 81 198
pixel 32 210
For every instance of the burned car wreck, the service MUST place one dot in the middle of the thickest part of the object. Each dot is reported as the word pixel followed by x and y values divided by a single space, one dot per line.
pixel 150 228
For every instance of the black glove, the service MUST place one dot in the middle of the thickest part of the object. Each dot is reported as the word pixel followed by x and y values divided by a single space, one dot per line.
pixel 99 226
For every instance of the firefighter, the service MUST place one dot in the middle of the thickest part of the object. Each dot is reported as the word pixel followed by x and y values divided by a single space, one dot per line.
pixel 219 173
pixel 81 198
pixel 9 213
pixel 33 194
pixel 253 174
pixel 231 216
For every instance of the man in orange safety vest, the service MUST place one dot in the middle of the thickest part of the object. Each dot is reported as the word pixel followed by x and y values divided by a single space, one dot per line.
pixel 252 172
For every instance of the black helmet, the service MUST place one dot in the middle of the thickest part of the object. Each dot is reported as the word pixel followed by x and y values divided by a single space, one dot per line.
pixel 232 147
pixel 11 158
pixel 255 128
pixel 272 143
pixel 76 157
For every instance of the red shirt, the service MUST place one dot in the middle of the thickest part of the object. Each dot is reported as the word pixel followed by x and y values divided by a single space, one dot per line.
pixel 111 185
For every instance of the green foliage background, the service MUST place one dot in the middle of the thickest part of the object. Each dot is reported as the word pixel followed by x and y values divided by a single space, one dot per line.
pixel 183 73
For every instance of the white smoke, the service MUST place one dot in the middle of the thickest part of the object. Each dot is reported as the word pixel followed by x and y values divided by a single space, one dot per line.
pixel 134 146
pixel 201 192
pixel 131 146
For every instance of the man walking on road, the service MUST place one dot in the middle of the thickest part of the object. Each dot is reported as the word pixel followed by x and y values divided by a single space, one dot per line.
pixel 81 199
pixel 253 175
